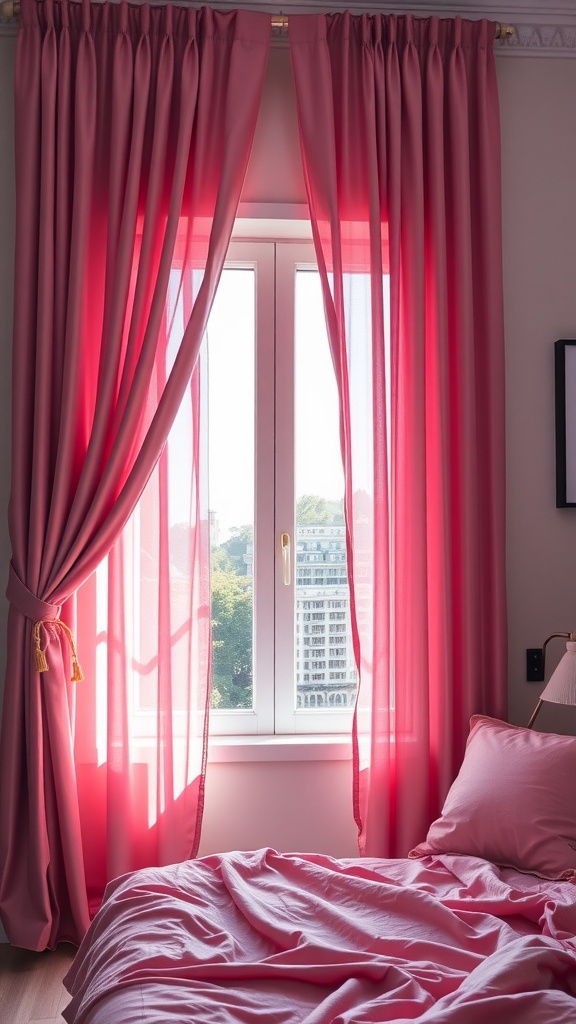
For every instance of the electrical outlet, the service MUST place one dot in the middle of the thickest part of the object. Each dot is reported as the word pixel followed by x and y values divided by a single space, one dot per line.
pixel 535 665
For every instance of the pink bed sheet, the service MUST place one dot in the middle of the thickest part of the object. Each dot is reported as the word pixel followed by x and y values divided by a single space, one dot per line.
pixel 269 938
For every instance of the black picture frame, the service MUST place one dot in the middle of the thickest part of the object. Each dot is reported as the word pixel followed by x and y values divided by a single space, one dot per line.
pixel 565 405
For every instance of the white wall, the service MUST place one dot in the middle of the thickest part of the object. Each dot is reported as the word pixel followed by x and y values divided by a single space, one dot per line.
pixel 538 110
pixel 274 172
pixel 303 806
pixel 306 805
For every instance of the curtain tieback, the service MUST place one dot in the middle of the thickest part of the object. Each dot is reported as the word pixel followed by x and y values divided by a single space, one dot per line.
pixel 42 614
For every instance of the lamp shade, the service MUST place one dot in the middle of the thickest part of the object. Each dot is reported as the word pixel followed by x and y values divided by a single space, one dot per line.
pixel 561 687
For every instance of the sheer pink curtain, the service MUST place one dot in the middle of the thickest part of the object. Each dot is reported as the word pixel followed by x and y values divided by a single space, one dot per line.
pixel 399 128
pixel 144 632
pixel 133 129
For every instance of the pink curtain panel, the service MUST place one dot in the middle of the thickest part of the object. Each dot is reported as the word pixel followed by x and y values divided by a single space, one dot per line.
pixel 399 127
pixel 129 122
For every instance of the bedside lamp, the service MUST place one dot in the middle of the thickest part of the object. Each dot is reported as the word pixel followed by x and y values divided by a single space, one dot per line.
pixel 561 687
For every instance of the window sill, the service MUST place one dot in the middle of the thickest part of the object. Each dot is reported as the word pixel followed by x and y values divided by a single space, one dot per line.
pixel 279 748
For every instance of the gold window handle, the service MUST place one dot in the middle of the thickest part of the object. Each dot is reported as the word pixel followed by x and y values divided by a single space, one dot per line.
pixel 285 545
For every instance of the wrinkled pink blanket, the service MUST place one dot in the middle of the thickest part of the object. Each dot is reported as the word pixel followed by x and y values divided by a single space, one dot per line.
pixel 269 938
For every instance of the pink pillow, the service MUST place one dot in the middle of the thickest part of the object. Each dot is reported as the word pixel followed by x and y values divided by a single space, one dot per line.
pixel 513 801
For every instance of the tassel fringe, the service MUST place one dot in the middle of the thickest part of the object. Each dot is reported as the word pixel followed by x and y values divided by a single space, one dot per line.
pixel 77 673
pixel 40 663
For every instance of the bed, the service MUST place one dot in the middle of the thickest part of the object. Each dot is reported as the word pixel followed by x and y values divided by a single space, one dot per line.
pixel 476 925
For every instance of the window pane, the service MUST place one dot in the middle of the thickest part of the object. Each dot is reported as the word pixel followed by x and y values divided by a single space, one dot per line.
pixel 326 675
pixel 229 357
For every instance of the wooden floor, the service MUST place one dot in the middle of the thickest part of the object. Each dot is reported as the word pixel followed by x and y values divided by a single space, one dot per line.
pixel 31 989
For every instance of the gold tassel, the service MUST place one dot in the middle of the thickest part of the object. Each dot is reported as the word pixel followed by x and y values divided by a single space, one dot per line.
pixel 40 662
pixel 77 673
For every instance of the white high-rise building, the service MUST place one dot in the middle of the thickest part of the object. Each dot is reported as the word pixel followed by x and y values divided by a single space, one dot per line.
pixel 325 668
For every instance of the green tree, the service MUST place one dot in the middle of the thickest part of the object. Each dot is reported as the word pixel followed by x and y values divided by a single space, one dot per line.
pixel 231 638
pixel 312 510
pixel 236 546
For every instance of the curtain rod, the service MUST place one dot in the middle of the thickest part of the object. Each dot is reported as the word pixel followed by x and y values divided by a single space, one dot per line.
pixel 10 9
pixel 280 24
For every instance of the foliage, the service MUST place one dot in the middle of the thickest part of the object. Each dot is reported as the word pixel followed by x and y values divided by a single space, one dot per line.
pixel 312 510
pixel 235 548
pixel 231 638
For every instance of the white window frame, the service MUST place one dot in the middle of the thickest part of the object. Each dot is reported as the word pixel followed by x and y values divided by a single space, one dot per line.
pixel 276 258
pixel 259 720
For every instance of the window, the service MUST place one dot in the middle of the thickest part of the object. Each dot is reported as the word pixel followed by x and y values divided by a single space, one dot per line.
pixel 282 659
pixel 275 475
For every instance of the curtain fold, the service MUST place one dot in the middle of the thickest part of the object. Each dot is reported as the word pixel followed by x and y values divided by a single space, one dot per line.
pixel 399 130
pixel 133 131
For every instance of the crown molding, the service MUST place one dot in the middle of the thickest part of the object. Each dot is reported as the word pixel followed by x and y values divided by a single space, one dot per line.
pixel 537 32
pixel 538 40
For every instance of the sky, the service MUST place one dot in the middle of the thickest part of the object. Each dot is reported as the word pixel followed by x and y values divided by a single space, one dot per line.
pixel 231 399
